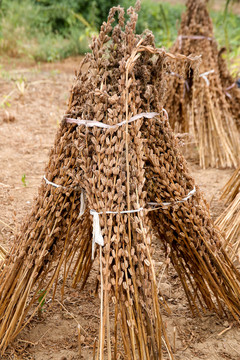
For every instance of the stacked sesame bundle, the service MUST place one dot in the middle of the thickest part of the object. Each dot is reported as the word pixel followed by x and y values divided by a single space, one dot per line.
pixel 229 220
pixel 207 116
pixel 115 170
pixel 103 164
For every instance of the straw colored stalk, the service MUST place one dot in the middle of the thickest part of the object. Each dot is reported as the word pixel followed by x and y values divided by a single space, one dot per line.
pixel 229 220
pixel 214 127
pixel 232 187
pixel 3 253
pixel 229 224
pixel 200 101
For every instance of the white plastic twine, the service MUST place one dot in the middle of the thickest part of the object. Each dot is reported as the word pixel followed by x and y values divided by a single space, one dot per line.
pixel 190 194
pixel 205 74
pixel 192 37
pixel 82 203
pixel 92 123
pixel 97 234
pixel 82 196
pixel 229 88
pixel 175 74
pixel 186 86
pixel 51 183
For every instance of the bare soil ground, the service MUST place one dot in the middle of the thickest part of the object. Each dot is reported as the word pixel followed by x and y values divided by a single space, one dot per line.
pixel 28 122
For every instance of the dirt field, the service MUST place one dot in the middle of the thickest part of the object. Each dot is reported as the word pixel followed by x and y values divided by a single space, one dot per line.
pixel 28 122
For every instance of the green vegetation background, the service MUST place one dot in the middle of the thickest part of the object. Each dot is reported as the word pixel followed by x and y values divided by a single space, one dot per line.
pixel 49 30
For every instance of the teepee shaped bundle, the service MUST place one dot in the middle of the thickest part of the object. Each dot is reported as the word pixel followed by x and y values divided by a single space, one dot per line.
pixel 100 161
pixel 232 92
pixel 229 220
pixel 207 115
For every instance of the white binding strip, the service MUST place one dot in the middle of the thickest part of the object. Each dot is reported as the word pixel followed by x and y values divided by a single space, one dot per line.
pixel 204 76
pixel 175 74
pixel 82 203
pixel 230 87
pixel 192 37
pixel 186 86
pixel 51 183
pixel 97 234
pixel 190 194
pixel 195 37
pixel 92 123
pixel 82 196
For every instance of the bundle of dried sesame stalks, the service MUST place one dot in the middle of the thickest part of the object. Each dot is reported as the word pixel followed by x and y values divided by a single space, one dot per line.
pixel 229 220
pixel 115 149
pixel 104 165
pixel 200 101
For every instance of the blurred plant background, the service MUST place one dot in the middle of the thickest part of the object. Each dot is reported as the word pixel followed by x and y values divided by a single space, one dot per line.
pixel 50 30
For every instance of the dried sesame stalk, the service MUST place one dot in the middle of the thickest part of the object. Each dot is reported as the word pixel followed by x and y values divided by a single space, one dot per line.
pixel 229 220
